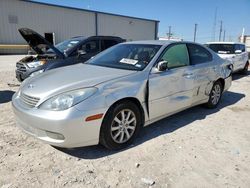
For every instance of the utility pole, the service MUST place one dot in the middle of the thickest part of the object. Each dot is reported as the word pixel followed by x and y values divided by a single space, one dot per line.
pixel 195 31
pixel 169 32
pixel 224 35
pixel 220 30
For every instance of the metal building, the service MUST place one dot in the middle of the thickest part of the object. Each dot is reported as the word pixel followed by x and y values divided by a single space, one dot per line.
pixel 66 22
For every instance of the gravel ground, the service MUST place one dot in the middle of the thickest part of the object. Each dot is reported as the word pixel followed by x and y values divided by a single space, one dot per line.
pixel 195 148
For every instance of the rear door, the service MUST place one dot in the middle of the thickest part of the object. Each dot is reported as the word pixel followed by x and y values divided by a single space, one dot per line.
pixel 171 90
pixel 238 58
pixel 203 67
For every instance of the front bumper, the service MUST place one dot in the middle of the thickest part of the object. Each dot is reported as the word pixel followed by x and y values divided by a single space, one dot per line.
pixel 66 128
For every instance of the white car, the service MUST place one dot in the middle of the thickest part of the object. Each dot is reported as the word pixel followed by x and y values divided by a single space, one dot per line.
pixel 234 52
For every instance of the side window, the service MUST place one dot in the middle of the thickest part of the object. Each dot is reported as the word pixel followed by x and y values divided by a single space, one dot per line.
pixel 176 56
pixel 108 43
pixel 243 49
pixel 198 54
pixel 91 46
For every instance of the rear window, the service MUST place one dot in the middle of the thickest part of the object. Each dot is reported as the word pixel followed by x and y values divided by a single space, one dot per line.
pixel 222 48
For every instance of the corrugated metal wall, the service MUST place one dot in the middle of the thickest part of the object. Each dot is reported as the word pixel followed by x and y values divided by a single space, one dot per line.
pixel 67 22
pixel 128 28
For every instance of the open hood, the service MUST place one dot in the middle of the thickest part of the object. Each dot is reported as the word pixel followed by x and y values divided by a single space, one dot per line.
pixel 38 43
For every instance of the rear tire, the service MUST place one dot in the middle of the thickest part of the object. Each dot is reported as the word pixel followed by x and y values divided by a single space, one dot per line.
pixel 121 125
pixel 215 95
pixel 245 70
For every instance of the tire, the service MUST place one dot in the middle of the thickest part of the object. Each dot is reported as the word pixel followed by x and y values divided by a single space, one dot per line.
pixel 215 95
pixel 245 70
pixel 119 129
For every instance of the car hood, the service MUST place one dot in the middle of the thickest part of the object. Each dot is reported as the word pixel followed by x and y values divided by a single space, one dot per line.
pixel 37 42
pixel 68 78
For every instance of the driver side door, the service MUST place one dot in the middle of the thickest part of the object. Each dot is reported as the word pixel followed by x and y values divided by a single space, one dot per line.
pixel 171 90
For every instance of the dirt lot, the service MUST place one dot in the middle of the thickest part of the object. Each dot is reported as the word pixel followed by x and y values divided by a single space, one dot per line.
pixel 195 148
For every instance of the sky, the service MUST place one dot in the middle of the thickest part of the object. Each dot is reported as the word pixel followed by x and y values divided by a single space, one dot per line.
pixel 181 15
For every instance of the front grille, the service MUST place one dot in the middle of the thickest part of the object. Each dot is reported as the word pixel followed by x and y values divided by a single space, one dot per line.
pixel 20 67
pixel 29 100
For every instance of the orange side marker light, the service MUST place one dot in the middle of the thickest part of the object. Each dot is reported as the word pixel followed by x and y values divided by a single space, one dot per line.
pixel 94 117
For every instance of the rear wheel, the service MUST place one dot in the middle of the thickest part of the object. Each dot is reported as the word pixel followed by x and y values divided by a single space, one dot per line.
pixel 120 126
pixel 245 70
pixel 215 95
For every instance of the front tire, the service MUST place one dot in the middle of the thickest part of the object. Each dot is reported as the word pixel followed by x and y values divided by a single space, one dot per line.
pixel 120 126
pixel 215 95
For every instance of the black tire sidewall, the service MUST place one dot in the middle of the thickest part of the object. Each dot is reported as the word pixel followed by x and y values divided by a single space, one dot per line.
pixel 105 136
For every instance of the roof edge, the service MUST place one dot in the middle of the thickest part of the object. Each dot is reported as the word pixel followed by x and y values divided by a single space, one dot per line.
pixel 86 10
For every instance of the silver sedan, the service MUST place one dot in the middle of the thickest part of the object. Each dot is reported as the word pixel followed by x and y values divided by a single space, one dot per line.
pixel 108 99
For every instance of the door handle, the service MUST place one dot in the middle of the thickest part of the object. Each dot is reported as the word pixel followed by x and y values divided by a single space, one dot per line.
pixel 187 74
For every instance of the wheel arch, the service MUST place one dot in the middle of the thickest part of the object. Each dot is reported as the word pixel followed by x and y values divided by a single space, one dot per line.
pixel 129 99
pixel 222 81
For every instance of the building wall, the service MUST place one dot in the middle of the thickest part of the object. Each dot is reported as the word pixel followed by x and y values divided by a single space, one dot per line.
pixel 65 23
pixel 127 28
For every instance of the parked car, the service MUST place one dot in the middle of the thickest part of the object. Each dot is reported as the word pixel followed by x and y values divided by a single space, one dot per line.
pixel 110 97
pixel 233 51
pixel 68 52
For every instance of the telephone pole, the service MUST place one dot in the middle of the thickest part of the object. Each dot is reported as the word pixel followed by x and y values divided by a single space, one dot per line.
pixel 195 31
pixel 220 30
pixel 224 35
pixel 169 32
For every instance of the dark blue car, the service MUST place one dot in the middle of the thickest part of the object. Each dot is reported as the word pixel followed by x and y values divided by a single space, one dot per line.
pixel 68 52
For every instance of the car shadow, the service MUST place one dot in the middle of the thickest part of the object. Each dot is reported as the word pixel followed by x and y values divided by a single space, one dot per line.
pixel 6 96
pixel 237 76
pixel 162 127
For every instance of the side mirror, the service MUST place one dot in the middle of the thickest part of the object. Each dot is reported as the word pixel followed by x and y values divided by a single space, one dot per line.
pixel 81 52
pixel 162 66
pixel 238 51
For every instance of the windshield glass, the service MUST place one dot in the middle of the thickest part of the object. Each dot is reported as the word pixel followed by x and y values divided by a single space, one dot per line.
pixel 65 45
pixel 126 56
pixel 222 48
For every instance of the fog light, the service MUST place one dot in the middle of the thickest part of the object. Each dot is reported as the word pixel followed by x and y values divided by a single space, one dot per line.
pixel 55 136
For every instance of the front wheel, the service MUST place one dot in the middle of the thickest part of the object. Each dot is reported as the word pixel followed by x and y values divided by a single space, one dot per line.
pixel 215 95
pixel 120 126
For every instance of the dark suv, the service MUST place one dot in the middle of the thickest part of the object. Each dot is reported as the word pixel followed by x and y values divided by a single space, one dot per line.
pixel 68 52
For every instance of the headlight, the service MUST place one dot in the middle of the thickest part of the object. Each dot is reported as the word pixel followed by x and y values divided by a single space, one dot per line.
pixel 66 100
pixel 35 64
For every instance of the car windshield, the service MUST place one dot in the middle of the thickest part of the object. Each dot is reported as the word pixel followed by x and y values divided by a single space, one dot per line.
pixel 126 56
pixel 65 45
pixel 222 48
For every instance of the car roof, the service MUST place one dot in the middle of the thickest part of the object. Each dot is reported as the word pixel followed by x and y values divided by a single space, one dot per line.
pixel 96 37
pixel 151 42
pixel 225 43
pixel 160 42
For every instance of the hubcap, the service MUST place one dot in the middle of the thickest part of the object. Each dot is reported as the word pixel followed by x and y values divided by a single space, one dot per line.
pixel 123 126
pixel 216 92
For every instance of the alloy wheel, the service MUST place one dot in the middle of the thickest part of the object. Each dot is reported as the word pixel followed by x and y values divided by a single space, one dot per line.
pixel 123 126
pixel 216 94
